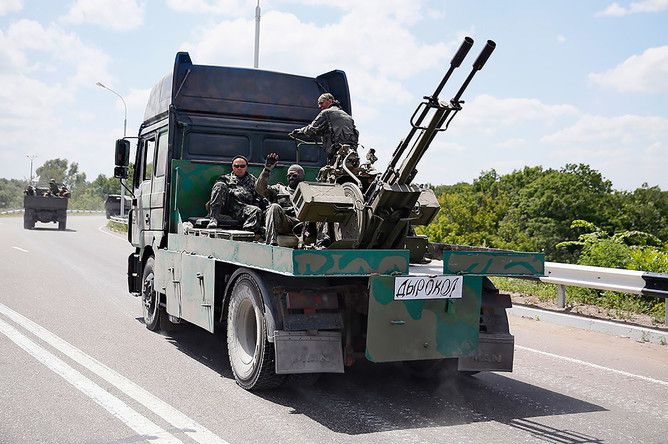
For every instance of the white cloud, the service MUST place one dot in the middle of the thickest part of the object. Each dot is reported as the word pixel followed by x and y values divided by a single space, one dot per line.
pixel 218 7
pixel 627 149
pixel 646 6
pixel 25 100
pixel 516 142
pixel 627 130
pixel 647 72
pixel 7 6
pixel 44 68
pixel 404 11
pixel 486 111
pixel 120 15
pixel 26 37
pixel 373 50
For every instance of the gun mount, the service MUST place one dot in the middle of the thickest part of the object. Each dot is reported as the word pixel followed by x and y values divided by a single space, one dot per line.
pixel 380 213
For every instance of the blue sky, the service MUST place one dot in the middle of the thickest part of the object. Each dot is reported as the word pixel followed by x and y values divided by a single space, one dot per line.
pixel 569 82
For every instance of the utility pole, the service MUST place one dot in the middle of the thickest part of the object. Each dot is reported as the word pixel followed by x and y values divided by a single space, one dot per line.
pixel 257 35
pixel 125 126
pixel 31 157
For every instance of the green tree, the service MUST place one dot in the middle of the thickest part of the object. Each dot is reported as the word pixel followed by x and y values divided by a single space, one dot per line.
pixel 55 169
pixel 541 211
pixel 645 209
pixel 11 193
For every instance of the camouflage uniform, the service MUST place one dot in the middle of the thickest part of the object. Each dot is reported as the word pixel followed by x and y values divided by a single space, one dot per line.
pixel 236 197
pixel 280 217
pixel 335 127
pixel 53 188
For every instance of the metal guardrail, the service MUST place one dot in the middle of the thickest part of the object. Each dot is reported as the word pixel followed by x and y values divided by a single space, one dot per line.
pixel 601 278
pixel 119 219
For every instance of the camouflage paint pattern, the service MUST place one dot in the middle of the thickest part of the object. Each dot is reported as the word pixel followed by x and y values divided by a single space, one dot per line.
pixel 293 262
pixel 350 262
pixel 192 183
pixel 494 263
pixel 421 329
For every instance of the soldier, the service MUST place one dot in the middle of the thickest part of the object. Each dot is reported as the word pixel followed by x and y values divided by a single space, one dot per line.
pixel 333 125
pixel 234 194
pixel 30 191
pixel 280 217
pixel 53 188
pixel 64 192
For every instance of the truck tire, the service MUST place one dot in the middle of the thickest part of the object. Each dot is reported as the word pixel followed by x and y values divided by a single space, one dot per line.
pixel 62 224
pixel 150 297
pixel 28 222
pixel 251 354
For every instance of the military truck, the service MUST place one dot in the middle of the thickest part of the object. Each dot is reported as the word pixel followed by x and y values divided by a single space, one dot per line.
pixel 112 205
pixel 41 208
pixel 379 292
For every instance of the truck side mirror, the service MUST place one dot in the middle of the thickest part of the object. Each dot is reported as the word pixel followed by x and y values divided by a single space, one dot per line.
pixel 122 158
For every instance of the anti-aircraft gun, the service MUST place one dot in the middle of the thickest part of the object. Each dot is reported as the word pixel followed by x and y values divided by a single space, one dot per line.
pixel 379 214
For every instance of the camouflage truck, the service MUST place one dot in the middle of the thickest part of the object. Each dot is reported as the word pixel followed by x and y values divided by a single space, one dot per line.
pixel 41 208
pixel 379 292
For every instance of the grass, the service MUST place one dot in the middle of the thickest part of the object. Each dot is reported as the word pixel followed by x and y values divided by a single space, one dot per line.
pixel 117 226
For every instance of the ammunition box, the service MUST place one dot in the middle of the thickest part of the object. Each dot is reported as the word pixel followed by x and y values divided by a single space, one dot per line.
pixel 321 202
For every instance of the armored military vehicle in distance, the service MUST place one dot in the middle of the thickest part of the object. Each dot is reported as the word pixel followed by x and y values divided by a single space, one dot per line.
pixel 112 205
pixel 378 292
pixel 46 209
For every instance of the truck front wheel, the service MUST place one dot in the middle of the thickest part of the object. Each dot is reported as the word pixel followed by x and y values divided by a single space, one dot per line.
pixel 150 297
pixel 251 354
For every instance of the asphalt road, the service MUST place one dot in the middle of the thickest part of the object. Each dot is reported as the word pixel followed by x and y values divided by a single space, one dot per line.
pixel 77 365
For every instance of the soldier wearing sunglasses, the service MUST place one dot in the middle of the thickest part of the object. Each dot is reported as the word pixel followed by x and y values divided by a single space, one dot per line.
pixel 234 195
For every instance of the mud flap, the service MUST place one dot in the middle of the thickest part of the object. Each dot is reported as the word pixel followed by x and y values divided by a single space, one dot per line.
pixel 299 352
pixel 495 353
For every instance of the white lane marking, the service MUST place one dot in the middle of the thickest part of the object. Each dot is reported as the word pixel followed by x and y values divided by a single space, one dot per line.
pixel 20 249
pixel 100 229
pixel 143 426
pixel 174 417
pixel 600 367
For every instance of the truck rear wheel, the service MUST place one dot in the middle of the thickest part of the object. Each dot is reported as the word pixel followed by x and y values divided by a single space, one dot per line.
pixel 251 354
pixel 150 297
pixel 62 223
pixel 28 223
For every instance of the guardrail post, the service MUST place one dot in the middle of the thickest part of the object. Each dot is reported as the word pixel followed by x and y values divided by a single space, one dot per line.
pixel 561 296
